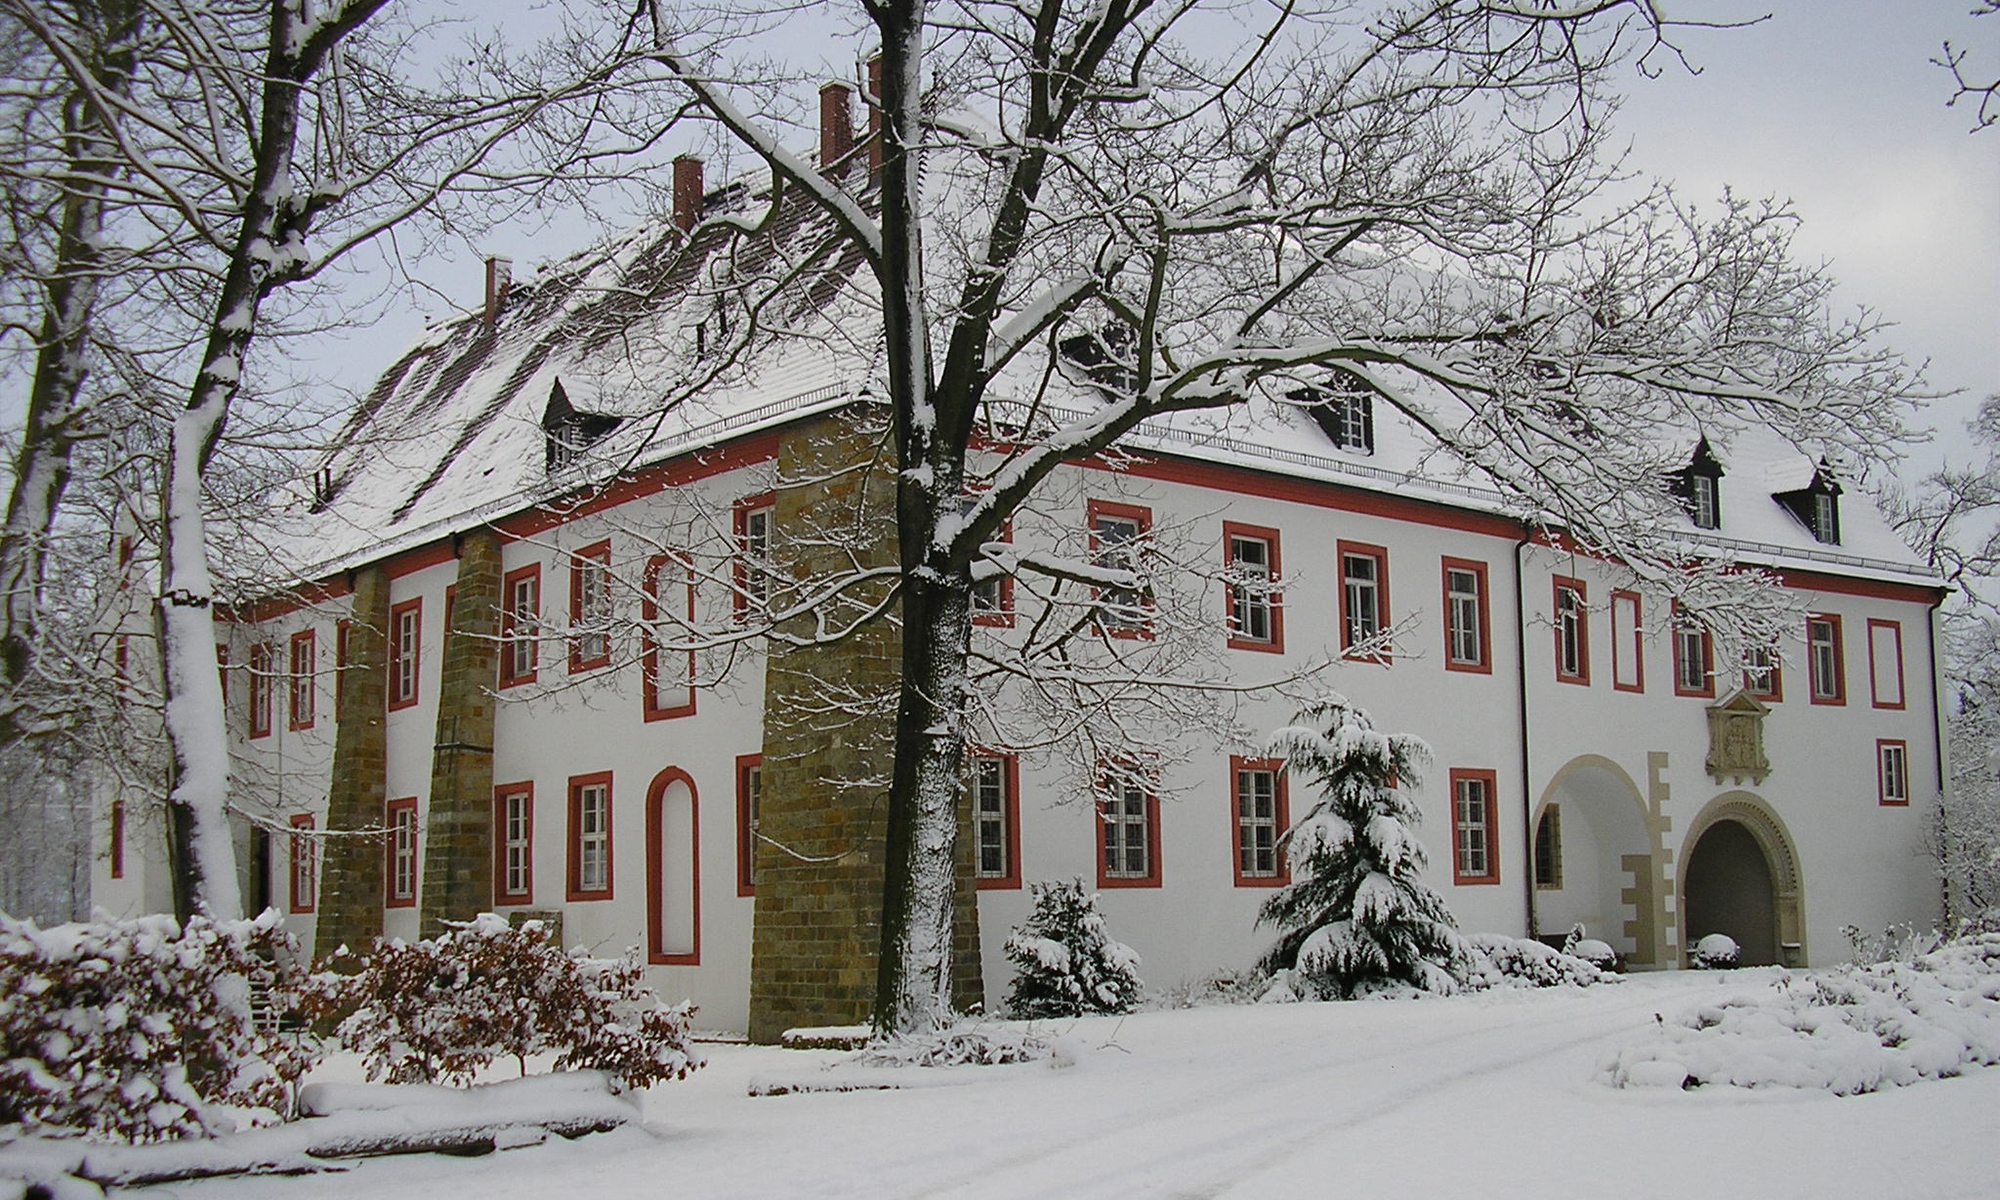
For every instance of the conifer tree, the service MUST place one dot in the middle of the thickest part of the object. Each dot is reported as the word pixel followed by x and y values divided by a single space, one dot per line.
pixel 1065 961
pixel 1358 916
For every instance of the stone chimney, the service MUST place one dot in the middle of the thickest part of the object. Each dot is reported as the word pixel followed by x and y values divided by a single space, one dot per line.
pixel 499 277
pixel 687 191
pixel 836 127
pixel 875 115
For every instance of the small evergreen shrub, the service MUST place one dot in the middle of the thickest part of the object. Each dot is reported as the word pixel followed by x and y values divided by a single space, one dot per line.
pixel 446 1008
pixel 1358 917
pixel 1717 951
pixel 142 1030
pixel 1597 953
pixel 1065 962
pixel 1501 961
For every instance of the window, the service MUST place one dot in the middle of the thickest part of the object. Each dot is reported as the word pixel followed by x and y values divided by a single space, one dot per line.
pixel 753 552
pixel 1825 664
pixel 1707 514
pixel 406 626
pixel 1885 663
pixel 263 686
pixel 1118 534
pixel 1892 758
pixel 117 839
pixel 520 622
pixel 1763 674
pixel 1344 408
pixel 996 821
pixel 305 863
pixel 1693 658
pixel 590 837
pixel 514 844
pixel 1256 614
pixel 666 614
pixel 1467 623
pixel 590 607
pixel 1548 848
pixel 1475 858
pixel 1128 833
pixel 749 811
pixel 1628 652
pixel 1817 505
pixel 1699 487
pixel 1572 631
pixel 302 680
pixel 1257 798
pixel 1826 519
pixel 1364 595
pixel 400 818
pixel 992 596
pixel 342 630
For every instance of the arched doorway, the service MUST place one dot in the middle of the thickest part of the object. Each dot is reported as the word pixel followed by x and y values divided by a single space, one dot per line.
pixel 1740 876
pixel 673 870
pixel 1593 859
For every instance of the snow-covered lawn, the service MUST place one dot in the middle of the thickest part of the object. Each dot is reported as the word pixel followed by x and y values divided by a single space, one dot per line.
pixel 1497 1094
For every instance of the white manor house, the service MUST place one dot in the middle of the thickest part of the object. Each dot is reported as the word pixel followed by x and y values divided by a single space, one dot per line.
pixel 525 678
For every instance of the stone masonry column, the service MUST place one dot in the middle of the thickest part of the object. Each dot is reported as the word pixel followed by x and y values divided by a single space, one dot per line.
pixel 458 826
pixel 350 901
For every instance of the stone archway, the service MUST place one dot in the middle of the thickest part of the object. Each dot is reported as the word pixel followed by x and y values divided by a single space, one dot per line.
pixel 1740 876
pixel 1601 866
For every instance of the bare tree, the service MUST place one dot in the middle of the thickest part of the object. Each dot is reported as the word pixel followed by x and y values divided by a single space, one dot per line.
pixel 1981 88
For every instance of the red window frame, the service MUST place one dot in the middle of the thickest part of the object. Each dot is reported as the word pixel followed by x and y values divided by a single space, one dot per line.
pixel 1142 517
pixel 1681 627
pixel 574 889
pixel 649 658
pixel 583 565
pixel 743 575
pixel 502 894
pixel 1343 549
pixel 1010 820
pixel 263 689
pixel 302 679
pixel 1491 782
pixel 304 849
pixel 1628 643
pixel 1484 664
pixel 1274 599
pixel 1883 796
pixel 403 663
pixel 747 818
pixel 1564 583
pixel 656 869
pixel 1282 820
pixel 395 814
pixel 1837 694
pixel 518 628
pixel 117 839
pixel 1101 811
pixel 1895 628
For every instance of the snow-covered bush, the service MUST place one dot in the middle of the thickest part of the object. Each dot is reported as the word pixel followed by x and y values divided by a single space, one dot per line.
pixel 1715 952
pixel 1849 1030
pixel 1065 961
pixel 1599 954
pixel 142 1029
pixel 1898 942
pixel 965 1043
pixel 1358 917
pixel 1226 986
pixel 445 1008
pixel 1499 961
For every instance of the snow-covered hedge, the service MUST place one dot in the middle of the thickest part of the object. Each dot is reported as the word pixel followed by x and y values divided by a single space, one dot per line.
pixel 1848 1030
pixel 445 1008
pixel 140 1029
pixel 1066 963
pixel 1499 961
pixel 967 1043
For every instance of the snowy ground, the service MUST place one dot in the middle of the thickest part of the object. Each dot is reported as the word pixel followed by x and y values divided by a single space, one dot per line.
pixel 1494 1094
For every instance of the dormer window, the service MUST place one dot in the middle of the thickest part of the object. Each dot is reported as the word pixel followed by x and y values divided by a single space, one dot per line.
pixel 567 433
pixel 1699 487
pixel 1105 357
pixel 1817 505
pixel 1344 408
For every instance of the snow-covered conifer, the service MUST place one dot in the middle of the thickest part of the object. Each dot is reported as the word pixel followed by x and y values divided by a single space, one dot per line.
pixel 1065 961
pixel 1358 915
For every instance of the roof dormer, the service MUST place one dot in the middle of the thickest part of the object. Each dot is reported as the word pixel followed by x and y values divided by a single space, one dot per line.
pixel 566 432
pixel 1816 505
pixel 1105 357
pixel 1343 406
pixel 1698 486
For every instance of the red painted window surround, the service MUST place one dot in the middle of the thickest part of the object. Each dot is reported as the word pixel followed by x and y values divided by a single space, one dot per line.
pixel 749 783
pixel 1483 664
pixel 520 620
pixel 406 641
pixel 577 787
pixel 657 870
pixel 1561 584
pixel 1629 644
pixel 1273 601
pixel 1001 616
pixel 503 893
pixel 1822 688
pixel 1707 689
pixel 117 839
pixel 1344 549
pixel 1877 684
pixel 590 605
pixel 751 581
pixel 263 688
pixel 1142 519
pixel 675 573
pixel 1892 772
pixel 1282 820
pixel 400 873
pixel 305 864
pixel 1010 802
pixel 1107 798
pixel 1489 781
pixel 302 680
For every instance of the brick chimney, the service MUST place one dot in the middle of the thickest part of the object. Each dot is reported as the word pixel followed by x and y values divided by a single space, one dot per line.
pixel 875 115
pixel 499 277
pixel 836 126
pixel 687 191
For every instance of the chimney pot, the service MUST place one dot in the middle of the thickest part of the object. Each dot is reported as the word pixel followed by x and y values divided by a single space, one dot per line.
pixel 687 192
pixel 836 127
pixel 499 277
